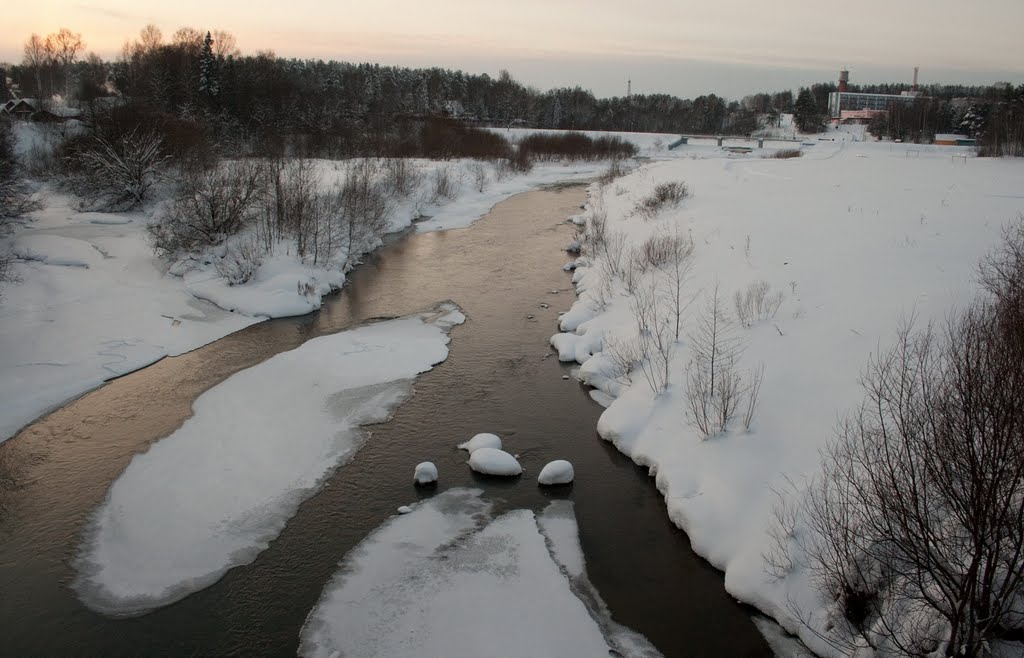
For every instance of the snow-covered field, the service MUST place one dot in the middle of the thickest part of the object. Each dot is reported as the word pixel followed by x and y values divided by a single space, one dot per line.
pixel 449 579
pixel 213 494
pixel 94 302
pixel 856 236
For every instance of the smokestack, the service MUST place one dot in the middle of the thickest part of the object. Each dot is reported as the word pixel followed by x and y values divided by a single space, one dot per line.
pixel 844 78
pixel 915 79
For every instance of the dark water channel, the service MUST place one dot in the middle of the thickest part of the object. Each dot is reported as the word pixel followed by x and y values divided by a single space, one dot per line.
pixel 500 377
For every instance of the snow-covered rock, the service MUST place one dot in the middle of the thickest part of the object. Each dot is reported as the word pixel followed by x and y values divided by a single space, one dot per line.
pixel 425 473
pixel 404 509
pixel 557 472
pixel 482 440
pixel 491 461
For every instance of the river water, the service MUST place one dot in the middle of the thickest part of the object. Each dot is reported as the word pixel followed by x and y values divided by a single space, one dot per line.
pixel 500 377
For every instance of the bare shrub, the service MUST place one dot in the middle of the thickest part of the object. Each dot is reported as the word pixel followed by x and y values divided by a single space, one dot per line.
pixel 757 303
pixel 211 206
pixel 574 146
pixel 400 176
pixel 665 195
pixel 715 389
pixel 670 256
pixel 785 154
pixel 478 172
pixel 444 185
pixel 655 341
pixel 778 558
pixel 296 209
pixel 617 168
pixel 365 210
pixel 624 356
pixel 118 175
pixel 16 198
pixel 918 517
pixel 240 262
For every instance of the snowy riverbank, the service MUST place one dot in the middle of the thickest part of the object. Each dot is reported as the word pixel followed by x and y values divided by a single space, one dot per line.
pixel 855 236
pixel 93 302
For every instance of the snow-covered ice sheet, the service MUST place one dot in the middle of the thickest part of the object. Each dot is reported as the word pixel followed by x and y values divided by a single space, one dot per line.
pixel 448 580
pixel 214 493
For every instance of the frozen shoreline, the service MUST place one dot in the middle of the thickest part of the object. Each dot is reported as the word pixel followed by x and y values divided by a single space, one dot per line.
pixel 856 237
pixel 93 302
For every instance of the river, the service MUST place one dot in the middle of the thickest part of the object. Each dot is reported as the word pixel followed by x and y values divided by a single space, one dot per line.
pixel 500 377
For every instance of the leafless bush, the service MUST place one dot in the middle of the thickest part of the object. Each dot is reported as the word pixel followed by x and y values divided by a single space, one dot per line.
pixel 920 506
pixel 298 210
pixel 401 177
pixel 624 356
pixel 778 558
pixel 655 340
pixel 665 195
pixel 211 206
pixel 757 303
pixel 785 154
pixel 574 146
pixel 716 389
pixel 617 168
pixel 118 175
pixel 445 184
pixel 752 395
pixel 365 209
pixel 16 198
pixel 478 171
pixel 240 262
pixel 670 257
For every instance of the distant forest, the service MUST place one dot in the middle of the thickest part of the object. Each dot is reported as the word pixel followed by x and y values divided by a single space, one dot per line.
pixel 257 102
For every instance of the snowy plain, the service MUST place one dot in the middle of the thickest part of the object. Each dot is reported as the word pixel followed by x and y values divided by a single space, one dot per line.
pixel 857 236
pixel 93 302
pixel 449 579
pixel 214 493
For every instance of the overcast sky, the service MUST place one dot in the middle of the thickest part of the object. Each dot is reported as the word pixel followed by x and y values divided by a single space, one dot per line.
pixel 675 46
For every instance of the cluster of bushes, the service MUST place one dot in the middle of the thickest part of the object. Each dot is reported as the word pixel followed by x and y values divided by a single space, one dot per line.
pixel 574 146
pixel 918 517
pixel 16 198
pixel 275 201
pixel 664 196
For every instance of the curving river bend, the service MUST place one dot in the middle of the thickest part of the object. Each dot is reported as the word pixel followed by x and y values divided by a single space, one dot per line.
pixel 500 377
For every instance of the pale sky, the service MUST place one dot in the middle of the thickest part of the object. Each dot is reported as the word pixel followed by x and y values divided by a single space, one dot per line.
pixel 681 47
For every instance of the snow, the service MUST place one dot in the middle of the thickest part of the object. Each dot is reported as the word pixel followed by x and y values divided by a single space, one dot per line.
pixel 857 236
pixel 404 509
pixel 557 472
pixel 214 493
pixel 448 579
pixel 491 461
pixel 483 440
pixel 94 302
pixel 425 473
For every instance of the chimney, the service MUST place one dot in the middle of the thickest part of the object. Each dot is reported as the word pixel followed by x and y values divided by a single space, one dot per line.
pixel 844 78
pixel 915 79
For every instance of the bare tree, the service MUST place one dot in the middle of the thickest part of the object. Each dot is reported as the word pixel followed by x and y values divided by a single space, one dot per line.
pixel 211 206
pixel 116 175
pixel 670 255
pixel 65 46
pixel 714 385
pixel 225 44
pixel 36 58
pixel 918 516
